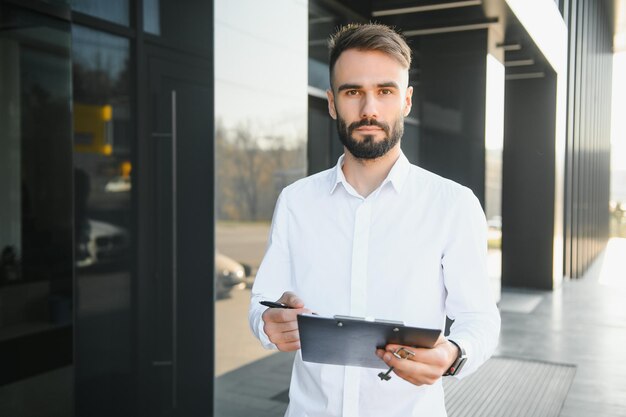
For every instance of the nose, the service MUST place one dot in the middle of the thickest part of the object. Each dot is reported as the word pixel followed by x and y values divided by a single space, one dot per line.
pixel 369 107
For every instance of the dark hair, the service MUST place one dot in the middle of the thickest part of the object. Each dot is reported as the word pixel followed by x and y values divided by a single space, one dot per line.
pixel 368 37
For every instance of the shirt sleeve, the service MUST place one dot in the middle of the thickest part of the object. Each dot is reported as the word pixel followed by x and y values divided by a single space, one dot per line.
pixel 470 301
pixel 273 277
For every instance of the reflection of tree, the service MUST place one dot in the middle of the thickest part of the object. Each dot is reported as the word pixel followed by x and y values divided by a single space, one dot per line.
pixel 98 85
pixel 251 170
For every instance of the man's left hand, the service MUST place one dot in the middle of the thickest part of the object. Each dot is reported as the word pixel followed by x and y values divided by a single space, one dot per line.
pixel 426 366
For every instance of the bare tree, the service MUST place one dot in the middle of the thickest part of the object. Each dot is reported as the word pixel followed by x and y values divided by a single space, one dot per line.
pixel 252 170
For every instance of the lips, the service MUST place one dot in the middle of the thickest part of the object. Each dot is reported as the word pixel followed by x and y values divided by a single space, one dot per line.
pixel 369 129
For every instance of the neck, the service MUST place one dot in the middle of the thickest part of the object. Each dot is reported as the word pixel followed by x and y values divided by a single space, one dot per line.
pixel 366 175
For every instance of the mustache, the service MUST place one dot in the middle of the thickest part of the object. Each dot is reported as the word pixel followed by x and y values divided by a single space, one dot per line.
pixel 368 122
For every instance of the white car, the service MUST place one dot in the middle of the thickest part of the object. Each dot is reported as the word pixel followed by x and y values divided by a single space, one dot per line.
pixel 228 274
pixel 104 242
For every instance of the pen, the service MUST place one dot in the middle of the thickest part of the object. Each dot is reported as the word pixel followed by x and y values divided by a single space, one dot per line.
pixel 272 304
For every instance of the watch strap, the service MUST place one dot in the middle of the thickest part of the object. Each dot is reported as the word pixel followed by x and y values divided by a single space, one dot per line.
pixel 456 366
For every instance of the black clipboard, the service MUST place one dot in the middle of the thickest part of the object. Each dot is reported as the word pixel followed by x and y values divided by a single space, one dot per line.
pixel 346 340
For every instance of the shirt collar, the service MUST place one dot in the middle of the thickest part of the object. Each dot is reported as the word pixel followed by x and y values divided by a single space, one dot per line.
pixel 338 177
pixel 397 176
pixel 399 173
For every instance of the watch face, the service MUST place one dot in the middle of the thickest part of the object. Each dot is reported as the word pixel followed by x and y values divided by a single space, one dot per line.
pixel 456 367
pixel 459 362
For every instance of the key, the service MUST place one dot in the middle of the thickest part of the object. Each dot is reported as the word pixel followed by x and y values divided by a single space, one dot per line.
pixel 401 353
pixel 384 376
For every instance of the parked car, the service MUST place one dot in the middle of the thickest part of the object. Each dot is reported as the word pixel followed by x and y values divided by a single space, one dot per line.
pixel 100 243
pixel 228 275
pixel 103 243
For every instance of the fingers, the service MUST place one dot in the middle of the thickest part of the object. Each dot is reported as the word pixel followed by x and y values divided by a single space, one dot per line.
pixel 280 327
pixel 425 367
pixel 291 299
pixel 284 334
pixel 282 315
pixel 281 324
pixel 281 338
pixel 288 347
pixel 437 356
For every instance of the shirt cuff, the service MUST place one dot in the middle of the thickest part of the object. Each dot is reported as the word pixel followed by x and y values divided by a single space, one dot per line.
pixel 260 333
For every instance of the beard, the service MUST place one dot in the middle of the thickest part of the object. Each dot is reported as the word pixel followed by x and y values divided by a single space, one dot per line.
pixel 369 147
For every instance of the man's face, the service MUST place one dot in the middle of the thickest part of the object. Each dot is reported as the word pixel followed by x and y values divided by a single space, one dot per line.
pixel 369 99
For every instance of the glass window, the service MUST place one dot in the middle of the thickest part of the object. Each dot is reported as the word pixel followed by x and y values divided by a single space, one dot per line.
pixel 261 125
pixel 103 169
pixel 35 215
pixel 494 142
pixel 115 11
pixel 152 17
pixel 165 18
pixel 322 22
pixel 324 19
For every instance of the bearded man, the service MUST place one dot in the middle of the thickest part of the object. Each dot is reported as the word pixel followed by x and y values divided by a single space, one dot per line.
pixel 376 236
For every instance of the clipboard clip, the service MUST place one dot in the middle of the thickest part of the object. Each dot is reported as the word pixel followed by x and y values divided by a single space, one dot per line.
pixel 340 319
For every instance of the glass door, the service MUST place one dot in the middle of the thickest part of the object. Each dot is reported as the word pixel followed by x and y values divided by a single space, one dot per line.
pixel 36 259
pixel 176 288
pixel 104 169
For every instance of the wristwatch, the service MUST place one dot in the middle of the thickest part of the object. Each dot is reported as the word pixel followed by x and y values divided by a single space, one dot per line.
pixel 456 366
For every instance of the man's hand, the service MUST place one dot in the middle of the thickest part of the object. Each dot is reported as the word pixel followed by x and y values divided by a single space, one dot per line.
pixel 281 325
pixel 426 366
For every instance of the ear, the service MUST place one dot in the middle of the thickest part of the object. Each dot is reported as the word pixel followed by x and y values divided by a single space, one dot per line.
pixel 408 101
pixel 331 104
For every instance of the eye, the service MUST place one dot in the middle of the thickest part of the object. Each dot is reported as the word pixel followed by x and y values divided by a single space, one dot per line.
pixel 385 92
pixel 352 92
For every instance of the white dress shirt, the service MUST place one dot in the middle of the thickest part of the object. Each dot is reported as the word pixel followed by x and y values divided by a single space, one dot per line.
pixel 414 250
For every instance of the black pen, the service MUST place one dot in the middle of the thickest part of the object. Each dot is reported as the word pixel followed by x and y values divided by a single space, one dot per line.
pixel 272 304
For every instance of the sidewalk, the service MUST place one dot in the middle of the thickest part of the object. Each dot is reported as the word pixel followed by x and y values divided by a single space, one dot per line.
pixel 582 324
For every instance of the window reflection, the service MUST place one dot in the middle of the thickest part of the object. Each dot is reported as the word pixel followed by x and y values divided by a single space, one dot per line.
pixel 102 138
pixel 260 147
pixel 103 219
pixel 494 141
pixel 152 17
pixel 165 18
pixel 322 22
pixel 35 223
pixel 115 11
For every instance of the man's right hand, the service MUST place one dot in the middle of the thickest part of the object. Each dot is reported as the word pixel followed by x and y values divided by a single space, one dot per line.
pixel 281 324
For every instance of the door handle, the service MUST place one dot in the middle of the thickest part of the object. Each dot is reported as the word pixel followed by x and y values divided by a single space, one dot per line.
pixel 174 254
pixel 173 363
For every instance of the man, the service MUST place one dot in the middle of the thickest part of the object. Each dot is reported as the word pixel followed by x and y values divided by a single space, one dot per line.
pixel 376 237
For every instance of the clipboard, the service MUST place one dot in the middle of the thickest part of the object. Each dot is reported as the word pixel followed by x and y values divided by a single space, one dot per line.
pixel 346 340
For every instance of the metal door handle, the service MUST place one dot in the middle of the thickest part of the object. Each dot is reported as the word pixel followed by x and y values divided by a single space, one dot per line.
pixel 174 255
pixel 174 143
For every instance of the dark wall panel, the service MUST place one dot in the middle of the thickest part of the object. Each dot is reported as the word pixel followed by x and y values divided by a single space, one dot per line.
pixel 587 168
pixel 323 146
pixel 452 107
pixel 528 199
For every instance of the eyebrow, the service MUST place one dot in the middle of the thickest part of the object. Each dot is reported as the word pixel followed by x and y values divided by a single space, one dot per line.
pixel 343 87
pixel 387 84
